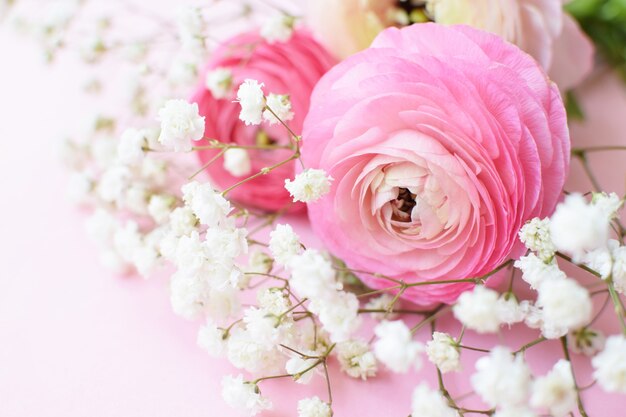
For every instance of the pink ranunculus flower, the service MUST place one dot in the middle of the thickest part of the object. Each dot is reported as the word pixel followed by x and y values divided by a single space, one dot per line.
pixel 291 68
pixel 443 141
pixel 540 27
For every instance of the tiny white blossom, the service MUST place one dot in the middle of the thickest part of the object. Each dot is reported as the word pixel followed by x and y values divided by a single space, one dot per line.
pixel 313 276
pixel 278 28
pixel 189 294
pixel 127 240
pixel 356 359
pixel 183 221
pixel 535 271
pixel 242 395
pixel 565 303
pixel 443 352
pixel 131 146
pixel 478 310
pixel 252 100
pixel 338 313
pixel 280 105
pixel 114 183
pixel 586 341
pixel 245 351
pixel 502 379
pixel 576 226
pixel 610 204
pixel 154 170
pixel 145 259
pixel 180 125
pixel 555 391
pixel 610 365
pixel 313 407
pixel 212 339
pixel 136 198
pixel 160 207
pixel 191 26
pixel 209 206
pixel 284 244
pixel 535 235
pixel 309 186
pixel 101 227
pixel 396 348
pixel 237 162
pixel 273 301
pixel 219 82
pixel 516 411
pixel 302 369
pixel 426 402
pixel 260 263
pixel 382 302
pixel 509 310
pixel 618 272
pixel 600 260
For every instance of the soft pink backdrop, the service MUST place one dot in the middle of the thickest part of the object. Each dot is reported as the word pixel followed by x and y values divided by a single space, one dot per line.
pixel 76 341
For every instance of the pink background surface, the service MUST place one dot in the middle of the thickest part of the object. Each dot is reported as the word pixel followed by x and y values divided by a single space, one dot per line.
pixel 77 341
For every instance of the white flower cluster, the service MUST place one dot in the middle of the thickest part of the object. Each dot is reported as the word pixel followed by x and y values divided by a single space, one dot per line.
pixel 309 186
pixel 255 107
pixel 278 28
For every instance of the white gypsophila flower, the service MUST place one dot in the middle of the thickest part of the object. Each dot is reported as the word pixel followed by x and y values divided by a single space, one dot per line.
pixel 127 240
pixel 154 170
pixel 112 260
pixel 309 185
pixel 266 328
pixel 502 379
pixel 586 341
pixel 243 395
pixel 396 348
pixel 212 339
pixel 224 303
pixel 189 294
pixel 191 26
pixel 246 352
pixel 517 411
pixel 313 276
pixel 535 271
pixel 533 318
pixel 273 300
pixel 104 151
pixel 564 303
pixel 426 402
pixel 180 125
pixel 556 390
pixel 183 221
pixel 226 244
pixel 313 407
pixel 219 82
pixel 302 369
pixel 478 310
pixel 610 204
pixel 278 28
pixel 160 207
pixel 146 257
pixel 131 147
pixel 443 352
pixel 183 72
pixel 284 244
pixel 136 198
pixel 535 235
pixel 610 365
pixel 259 262
pixel 618 272
pixel 252 100
pixel 209 206
pixel 576 226
pixel 237 162
pixel 80 187
pixel 339 314
pixel 101 227
pixel 600 260
pixel 114 183
pixel 382 302
pixel 509 310
pixel 280 105
pixel 356 359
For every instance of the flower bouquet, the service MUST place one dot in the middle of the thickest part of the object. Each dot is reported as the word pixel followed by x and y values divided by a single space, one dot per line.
pixel 344 189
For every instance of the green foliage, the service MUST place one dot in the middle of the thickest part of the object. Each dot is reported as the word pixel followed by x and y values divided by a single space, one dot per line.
pixel 605 23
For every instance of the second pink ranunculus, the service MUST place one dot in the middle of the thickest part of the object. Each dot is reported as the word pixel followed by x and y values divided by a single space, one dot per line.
pixel 442 142
pixel 292 68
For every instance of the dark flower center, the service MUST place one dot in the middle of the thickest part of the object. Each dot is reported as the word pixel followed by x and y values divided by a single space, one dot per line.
pixel 414 10
pixel 403 205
